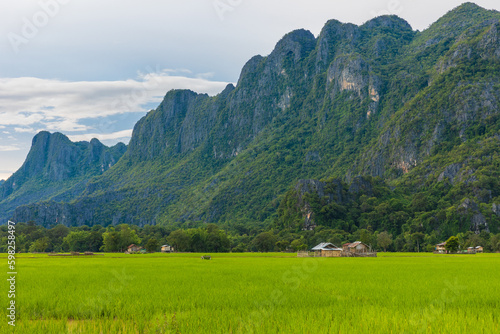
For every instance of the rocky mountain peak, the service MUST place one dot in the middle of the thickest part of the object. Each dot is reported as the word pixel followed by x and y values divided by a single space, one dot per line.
pixel 250 69
pixel 335 37
pixel 458 20
pixel 298 42
pixel 391 22
pixel 293 47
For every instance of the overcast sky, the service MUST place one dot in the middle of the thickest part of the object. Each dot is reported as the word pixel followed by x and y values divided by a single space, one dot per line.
pixel 90 68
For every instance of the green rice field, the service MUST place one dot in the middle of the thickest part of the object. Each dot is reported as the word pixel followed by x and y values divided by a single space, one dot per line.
pixel 255 293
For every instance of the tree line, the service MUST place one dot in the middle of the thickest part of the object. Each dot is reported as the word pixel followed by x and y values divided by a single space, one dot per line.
pixel 212 238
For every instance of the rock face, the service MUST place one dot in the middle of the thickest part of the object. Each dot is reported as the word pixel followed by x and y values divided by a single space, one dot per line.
pixel 450 172
pixel 333 191
pixel 413 135
pixel 496 209
pixel 360 185
pixel 478 221
pixel 178 125
pixel 373 100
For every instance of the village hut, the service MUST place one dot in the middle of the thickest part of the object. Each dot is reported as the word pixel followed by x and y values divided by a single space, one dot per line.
pixel 133 248
pixel 441 248
pixel 167 249
pixel 356 247
pixel 327 249
pixel 479 249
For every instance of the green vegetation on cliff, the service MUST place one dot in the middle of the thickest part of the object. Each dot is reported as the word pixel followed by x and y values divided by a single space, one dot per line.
pixel 400 130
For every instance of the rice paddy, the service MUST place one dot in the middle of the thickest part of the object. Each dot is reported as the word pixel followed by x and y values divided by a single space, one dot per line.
pixel 256 293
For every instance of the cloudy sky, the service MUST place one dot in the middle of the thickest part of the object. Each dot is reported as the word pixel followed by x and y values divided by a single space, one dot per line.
pixel 90 68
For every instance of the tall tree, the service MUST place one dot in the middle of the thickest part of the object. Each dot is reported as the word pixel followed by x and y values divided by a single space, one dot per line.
pixel 152 245
pixel 111 240
pixel 264 242
pixel 452 244
pixel 40 245
pixel 77 241
pixel 179 240
pixel 384 240
pixel 127 237
pixel 418 237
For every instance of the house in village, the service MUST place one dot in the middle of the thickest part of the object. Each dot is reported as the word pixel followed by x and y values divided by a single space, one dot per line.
pixel 356 247
pixel 471 250
pixel 133 248
pixel 441 248
pixel 479 249
pixel 327 249
pixel 167 249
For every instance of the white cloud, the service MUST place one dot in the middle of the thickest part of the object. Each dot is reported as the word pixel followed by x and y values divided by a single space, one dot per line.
pixel 57 105
pixel 7 148
pixel 25 130
pixel 125 134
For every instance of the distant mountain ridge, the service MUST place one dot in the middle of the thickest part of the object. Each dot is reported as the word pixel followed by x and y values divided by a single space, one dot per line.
pixel 417 110
pixel 56 169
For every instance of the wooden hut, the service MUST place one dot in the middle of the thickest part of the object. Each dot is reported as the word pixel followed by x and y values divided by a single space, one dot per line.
pixel 133 248
pixel 441 248
pixel 356 247
pixel 327 249
pixel 167 249
pixel 479 249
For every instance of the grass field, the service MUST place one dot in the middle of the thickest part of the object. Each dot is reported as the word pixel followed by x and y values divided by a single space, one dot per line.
pixel 256 293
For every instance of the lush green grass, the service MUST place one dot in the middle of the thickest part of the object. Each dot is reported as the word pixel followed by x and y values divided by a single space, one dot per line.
pixel 259 293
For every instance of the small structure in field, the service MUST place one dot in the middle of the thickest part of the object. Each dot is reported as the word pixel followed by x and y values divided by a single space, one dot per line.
pixel 206 257
pixel 479 249
pixel 133 248
pixel 303 253
pixel 441 248
pixel 471 250
pixel 327 249
pixel 167 249
pixel 356 247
